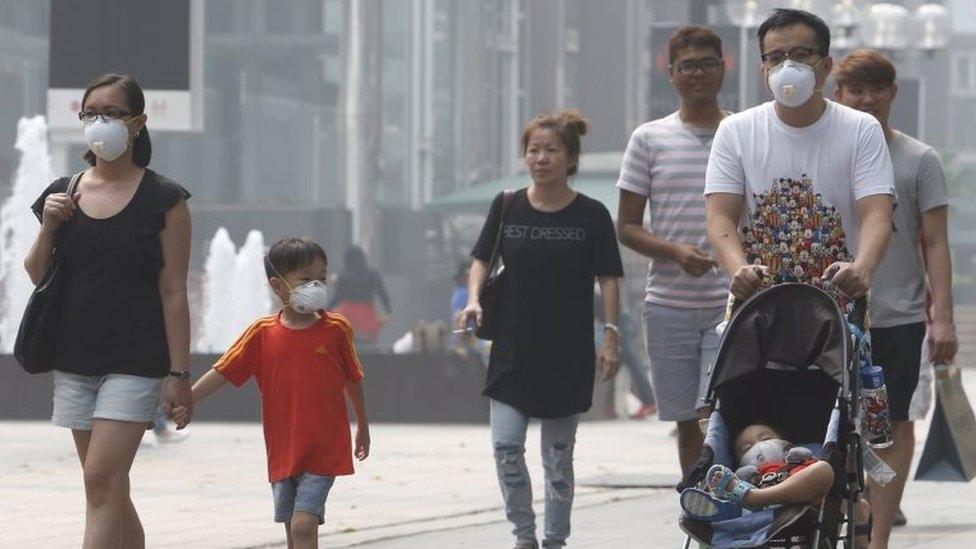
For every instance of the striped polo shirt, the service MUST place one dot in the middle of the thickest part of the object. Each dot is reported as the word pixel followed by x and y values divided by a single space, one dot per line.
pixel 665 161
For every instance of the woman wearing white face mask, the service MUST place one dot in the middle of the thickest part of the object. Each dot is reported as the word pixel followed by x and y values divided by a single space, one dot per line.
pixel 123 240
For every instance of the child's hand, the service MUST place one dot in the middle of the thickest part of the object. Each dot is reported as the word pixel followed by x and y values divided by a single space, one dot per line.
pixel 362 443
pixel 181 416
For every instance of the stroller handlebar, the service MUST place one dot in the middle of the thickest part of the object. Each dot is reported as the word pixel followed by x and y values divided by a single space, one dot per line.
pixel 857 313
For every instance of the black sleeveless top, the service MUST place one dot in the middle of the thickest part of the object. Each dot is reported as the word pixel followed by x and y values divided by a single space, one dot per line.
pixel 111 318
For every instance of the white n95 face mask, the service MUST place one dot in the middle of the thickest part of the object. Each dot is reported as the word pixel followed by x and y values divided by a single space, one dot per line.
pixel 792 83
pixel 108 139
pixel 309 297
pixel 766 451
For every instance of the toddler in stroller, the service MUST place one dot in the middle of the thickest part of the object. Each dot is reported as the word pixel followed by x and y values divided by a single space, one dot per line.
pixel 786 370
pixel 772 472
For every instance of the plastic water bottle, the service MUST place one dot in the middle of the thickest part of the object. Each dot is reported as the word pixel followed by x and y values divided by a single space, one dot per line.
pixel 874 403
pixel 876 468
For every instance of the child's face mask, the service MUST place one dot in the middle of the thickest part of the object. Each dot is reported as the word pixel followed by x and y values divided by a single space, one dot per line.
pixel 766 451
pixel 309 297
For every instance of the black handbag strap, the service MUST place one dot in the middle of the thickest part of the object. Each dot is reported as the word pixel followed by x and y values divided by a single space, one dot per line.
pixel 70 191
pixel 508 198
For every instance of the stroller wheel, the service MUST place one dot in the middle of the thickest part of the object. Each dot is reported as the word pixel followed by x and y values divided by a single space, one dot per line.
pixel 700 505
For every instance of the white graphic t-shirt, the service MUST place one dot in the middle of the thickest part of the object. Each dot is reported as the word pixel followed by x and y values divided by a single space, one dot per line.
pixel 801 185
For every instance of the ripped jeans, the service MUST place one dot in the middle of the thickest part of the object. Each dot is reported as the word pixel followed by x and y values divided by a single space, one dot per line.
pixel 508 426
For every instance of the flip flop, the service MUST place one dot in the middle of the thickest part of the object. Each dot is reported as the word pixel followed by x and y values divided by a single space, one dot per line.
pixel 700 505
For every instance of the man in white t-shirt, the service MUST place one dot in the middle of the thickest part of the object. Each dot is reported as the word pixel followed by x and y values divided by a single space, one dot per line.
pixel 809 181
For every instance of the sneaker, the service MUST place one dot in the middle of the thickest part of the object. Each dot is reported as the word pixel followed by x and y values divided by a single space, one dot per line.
pixel 645 411
pixel 526 545
pixel 700 505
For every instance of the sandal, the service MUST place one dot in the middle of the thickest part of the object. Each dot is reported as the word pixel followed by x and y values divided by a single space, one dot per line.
pixel 701 505
pixel 721 481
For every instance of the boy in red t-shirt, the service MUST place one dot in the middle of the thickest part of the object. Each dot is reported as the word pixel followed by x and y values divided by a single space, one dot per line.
pixel 303 361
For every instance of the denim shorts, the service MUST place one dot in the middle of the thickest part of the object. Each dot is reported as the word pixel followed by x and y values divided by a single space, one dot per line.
pixel 79 399
pixel 304 492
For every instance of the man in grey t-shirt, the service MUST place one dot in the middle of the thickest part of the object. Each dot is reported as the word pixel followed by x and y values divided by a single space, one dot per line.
pixel 866 81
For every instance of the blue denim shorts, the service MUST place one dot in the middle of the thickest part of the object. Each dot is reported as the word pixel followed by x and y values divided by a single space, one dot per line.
pixel 305 492
pixel 79 399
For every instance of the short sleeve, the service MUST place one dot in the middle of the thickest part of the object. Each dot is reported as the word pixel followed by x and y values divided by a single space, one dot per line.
pixel 167 194
pixel 58 186
pixel 873 173
pixel 725 173
pixel 486 240
pixel 931 182
pixel 635 169
pixel 240 362
pixel 606 252
pixel 347 350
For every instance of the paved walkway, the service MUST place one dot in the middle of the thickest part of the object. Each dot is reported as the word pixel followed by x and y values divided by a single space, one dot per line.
pixel 424 486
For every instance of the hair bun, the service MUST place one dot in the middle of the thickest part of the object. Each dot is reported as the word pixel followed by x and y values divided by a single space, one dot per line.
pixel 572 119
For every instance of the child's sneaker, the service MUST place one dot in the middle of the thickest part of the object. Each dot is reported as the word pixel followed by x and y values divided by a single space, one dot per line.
pixel 700 505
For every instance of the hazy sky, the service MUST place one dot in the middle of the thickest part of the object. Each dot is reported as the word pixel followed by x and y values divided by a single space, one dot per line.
pixel 963 15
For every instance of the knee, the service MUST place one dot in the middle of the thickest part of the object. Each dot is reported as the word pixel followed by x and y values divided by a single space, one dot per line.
pixel 510 461
pixel 558 462
pixel 100 483
pixel 304 526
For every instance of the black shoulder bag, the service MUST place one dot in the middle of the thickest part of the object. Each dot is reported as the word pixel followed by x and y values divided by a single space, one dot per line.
pixel 490 296
pixel 34 347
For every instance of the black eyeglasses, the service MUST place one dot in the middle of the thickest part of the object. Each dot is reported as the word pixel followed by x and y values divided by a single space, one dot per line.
pixel 800 54
pixel 88 116
pixel 688 67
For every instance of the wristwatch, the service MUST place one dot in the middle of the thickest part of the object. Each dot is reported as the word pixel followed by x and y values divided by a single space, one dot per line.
pixel 182 376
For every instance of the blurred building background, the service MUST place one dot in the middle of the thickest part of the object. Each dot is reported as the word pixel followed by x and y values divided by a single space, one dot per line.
pixel 390 123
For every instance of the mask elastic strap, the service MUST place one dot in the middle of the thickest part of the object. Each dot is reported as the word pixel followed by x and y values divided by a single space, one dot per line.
pixel 275 269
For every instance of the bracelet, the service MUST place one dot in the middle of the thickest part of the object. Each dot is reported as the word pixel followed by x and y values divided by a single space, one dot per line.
pixel 182 376
pixel 612 327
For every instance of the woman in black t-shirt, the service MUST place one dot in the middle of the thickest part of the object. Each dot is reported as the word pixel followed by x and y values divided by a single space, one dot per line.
pixel 124 328
pixel 555 243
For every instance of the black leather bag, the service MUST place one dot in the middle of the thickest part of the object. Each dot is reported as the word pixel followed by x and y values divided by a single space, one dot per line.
pixel 34 347
pixel 490 296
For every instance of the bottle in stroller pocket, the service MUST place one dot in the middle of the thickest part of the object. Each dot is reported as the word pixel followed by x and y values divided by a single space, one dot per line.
pixel 874 403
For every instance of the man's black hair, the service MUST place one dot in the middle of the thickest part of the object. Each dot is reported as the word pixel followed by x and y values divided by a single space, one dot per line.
pixel 785 17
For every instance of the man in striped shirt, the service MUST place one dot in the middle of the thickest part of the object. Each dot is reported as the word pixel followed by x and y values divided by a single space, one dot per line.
pixel 664 167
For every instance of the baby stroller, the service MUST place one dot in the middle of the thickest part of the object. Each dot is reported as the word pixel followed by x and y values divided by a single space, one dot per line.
pixel 787 356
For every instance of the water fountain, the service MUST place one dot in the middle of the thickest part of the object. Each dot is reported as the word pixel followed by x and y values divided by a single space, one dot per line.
pixel 235 290
pixel 18 226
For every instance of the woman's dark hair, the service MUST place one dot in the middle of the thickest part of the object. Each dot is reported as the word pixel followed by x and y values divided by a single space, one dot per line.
pixel 568 124
pixel 136 102
pixel 355 260
pixel 289 254
pixel 785 17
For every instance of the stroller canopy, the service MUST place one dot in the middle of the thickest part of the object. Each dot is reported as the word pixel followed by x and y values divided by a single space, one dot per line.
pixel 789 327
pixel 782 360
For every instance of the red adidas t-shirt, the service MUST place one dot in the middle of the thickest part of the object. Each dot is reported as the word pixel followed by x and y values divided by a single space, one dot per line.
pixel 301 375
